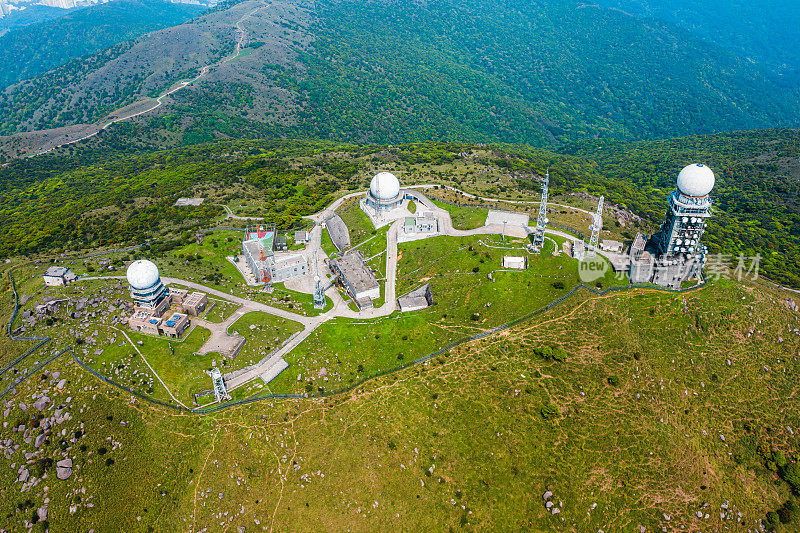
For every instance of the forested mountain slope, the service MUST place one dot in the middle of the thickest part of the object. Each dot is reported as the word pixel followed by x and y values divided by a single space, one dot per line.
pixel 37 48
pixel 756 207
pixel 523 71
pixel 513 71
pixel 85 90
pixel 765 32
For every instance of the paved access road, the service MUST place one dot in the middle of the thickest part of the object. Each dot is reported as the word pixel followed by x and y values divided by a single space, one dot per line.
pixel 340 306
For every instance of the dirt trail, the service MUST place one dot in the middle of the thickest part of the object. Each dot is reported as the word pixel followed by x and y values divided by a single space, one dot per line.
pixel 120 115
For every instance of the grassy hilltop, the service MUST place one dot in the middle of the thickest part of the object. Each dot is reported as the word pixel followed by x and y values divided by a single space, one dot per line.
pixel 640 407
pixel 665 405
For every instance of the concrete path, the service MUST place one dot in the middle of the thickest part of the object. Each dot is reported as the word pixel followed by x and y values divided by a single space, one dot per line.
pixel 220 340
pixel 255 306
pixel 340 306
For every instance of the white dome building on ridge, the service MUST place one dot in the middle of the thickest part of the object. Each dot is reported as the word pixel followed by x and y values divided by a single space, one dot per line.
pixel 146 288
pixel 675 253
pixel 142 274
pixel 384 193
pixel 696 180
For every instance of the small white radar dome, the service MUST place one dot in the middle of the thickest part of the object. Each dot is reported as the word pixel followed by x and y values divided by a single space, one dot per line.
pixel 142 274
pixel 696 180
pixel 384 186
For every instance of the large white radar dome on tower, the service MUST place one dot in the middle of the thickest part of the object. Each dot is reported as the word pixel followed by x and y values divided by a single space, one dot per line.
pixel 142 274
pixel 696 180
pixel 384 186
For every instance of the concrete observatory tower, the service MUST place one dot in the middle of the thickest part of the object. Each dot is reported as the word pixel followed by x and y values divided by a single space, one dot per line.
pixel 146 288
pixel 674 253
pixel 689 207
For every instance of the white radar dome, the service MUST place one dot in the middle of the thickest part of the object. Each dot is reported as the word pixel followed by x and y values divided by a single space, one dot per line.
pixel 384 186
pixel 696 180
pixel 142 274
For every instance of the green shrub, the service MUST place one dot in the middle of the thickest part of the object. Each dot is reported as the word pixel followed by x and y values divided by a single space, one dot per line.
pixel 613 380
pixel 779 458
pixel 792 476
pixel 788 512
pixel 549 411
pixel 772 519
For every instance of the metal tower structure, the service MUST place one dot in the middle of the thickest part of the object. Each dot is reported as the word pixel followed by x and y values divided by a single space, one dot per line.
pixel 319 289
pixel 597 225
pixel 541 222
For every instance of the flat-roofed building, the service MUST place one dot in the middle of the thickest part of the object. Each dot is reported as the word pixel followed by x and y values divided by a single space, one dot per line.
pixel 610 245
pixel 256 257
pixel 143 321
pixel 515 262
pixel 56 276
pixel 195 303
pixel 174 325
pixel 424 222
pixel 301 237
pixel 357 278
pixel 416 300
pixel 285 267
pixel 178 295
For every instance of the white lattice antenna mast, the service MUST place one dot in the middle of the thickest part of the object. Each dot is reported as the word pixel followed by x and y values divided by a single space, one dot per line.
pixel 541 222
pixel 597 225
pixel 319 289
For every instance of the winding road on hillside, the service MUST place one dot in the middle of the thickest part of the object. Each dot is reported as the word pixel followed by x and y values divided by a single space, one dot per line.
pixel 130 111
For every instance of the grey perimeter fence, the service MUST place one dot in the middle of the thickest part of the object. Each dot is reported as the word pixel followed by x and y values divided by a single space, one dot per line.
pixel 42 340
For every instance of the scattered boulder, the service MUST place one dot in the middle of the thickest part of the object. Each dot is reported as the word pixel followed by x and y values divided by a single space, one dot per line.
pixel 555 510
pixel 41 403
pixel 64 468
pixel 547 495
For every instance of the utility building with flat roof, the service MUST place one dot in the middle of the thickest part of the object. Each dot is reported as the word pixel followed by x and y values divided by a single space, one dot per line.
pixel 357 278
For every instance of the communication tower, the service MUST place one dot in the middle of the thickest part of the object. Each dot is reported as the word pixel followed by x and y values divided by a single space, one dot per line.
pixel 319 289
pixel 597 225
pixel 541 221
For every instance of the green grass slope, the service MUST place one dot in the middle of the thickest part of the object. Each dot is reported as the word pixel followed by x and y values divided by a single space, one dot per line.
pixel 665 406
pixel 37 48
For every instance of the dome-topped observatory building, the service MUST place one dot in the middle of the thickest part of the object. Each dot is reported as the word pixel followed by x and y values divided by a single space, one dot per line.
pixel 689 207
pixel 146 287
pixel 384 193
pixel 674 253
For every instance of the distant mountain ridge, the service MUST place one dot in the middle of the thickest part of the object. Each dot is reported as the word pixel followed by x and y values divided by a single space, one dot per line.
pixel 766 33
pixel 39 47
pixel 396 71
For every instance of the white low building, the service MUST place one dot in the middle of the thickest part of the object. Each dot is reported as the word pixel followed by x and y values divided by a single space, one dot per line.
pixel 515 262
pixel 56 276
pixel 421 223
pixel 286 267
pixel 610 245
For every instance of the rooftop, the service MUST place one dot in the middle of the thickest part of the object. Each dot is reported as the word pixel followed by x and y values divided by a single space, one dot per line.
pixel 355 272
pixel 57 271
